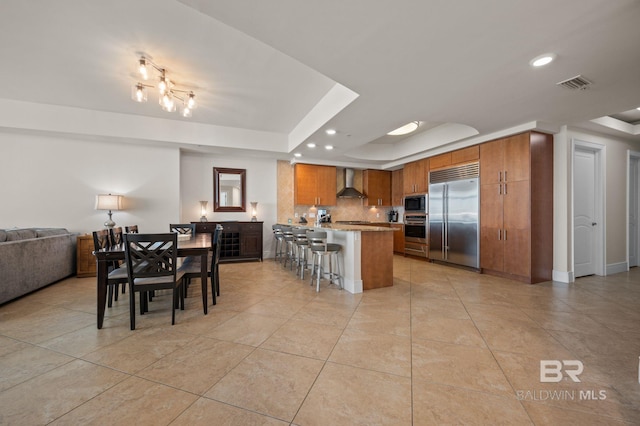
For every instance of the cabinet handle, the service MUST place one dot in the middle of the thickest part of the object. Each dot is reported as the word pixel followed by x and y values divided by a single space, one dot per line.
pixel 499 189
pixel 505 175
pixel 505 235
pixel 500 176
pixel 505 189
pixel 499 235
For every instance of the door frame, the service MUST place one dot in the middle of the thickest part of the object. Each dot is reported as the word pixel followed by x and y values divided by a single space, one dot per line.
pixel 631 186
pixel 600 252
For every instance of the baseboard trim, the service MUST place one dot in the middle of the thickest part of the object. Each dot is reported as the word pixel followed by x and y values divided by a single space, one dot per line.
pixel 616 268
pixel 563 277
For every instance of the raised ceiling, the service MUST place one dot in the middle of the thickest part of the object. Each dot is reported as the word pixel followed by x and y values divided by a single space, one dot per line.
pixel 272 76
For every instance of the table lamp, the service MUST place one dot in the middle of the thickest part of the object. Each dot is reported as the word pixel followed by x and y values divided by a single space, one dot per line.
pixel 203 211
pixel 109 202
pixel 254 211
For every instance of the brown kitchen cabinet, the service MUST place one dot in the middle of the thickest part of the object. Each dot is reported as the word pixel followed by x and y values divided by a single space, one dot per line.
pixel 415 177
pixel 516 207
pixel 397 193
pixel 453 158
pixel 398 238
pixel 377 187
pixel 315 185
pixel 239 240
pixel 86 261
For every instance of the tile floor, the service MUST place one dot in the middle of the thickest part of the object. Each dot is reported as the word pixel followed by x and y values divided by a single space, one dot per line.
pixel 442 346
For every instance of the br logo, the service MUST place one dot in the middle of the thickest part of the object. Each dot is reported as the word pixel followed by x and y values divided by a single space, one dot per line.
pixel 551 370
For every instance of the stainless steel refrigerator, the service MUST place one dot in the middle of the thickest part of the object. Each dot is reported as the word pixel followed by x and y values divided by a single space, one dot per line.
pixel 454 231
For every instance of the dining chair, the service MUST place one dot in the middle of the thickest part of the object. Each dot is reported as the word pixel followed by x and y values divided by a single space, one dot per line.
pixel 131 229
pixel 116 239
pixel 192 267
pixel 117 275
pixel 151 265
pixel 183 228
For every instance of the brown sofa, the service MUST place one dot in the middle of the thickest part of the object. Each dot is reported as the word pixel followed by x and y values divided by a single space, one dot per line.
pixel 32 258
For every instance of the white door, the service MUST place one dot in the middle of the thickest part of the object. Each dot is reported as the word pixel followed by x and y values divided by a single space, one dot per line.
pixel 584 210
pixel 634 210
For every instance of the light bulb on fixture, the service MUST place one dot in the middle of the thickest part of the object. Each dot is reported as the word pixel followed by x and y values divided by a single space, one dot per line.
pixel 139 93
pixel 168 92
pixel 191 100
pixel 167 103
pixel 142 68
pixel 162 85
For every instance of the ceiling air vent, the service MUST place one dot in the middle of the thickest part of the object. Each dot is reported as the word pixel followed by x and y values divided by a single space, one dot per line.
pixel 575 83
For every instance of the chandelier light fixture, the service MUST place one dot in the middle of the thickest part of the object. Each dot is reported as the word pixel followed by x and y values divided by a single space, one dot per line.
pixel 168 93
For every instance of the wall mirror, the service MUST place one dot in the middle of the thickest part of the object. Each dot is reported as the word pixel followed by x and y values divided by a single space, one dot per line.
pixel 229 190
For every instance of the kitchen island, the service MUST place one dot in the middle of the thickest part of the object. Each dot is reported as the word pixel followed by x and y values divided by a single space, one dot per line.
pixel 367 254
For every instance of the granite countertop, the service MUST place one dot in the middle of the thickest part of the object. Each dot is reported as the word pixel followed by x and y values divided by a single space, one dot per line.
pixel 346 227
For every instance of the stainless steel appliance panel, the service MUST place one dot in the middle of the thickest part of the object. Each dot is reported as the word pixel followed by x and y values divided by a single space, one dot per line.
pixel 436 222
pixel 453 222
pixel 462 222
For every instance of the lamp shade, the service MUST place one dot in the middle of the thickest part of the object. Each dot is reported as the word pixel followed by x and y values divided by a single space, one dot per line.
pixel 109 202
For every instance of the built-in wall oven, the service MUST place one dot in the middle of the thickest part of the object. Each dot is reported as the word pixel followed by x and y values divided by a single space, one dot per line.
pixel 416 226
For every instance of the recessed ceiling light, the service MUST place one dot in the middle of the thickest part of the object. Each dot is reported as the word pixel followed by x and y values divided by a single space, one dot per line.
pixel 407 128
pixel 330 131
pixel 542 60
pixel 297 154
pixel 311 145
pixel 328 147
pixel 638 108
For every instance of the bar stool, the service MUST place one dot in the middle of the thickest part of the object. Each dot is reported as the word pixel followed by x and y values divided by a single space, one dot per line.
pixel 321 249
pixel 301 244
pixel 279 237
pixel 287 235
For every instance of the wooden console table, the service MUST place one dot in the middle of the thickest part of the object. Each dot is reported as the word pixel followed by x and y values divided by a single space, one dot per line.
pixel 240 240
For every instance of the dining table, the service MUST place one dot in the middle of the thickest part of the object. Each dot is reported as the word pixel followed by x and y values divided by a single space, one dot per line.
pixel 197 244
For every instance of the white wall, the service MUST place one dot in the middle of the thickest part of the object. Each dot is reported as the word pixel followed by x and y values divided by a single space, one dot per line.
pixel 52 181
pixel 196 184
pixel 616 196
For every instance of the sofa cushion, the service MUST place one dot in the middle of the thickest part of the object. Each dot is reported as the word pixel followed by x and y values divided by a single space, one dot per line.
pixel 21 234
pixel 3 236
pixel 48 232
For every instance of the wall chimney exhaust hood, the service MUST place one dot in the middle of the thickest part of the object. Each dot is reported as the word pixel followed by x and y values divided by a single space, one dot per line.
pixel 349 191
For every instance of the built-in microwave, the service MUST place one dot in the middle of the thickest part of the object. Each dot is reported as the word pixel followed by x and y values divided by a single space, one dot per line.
pixel 416 203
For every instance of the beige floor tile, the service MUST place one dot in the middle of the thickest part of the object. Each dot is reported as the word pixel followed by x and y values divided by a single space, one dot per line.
pixel 304 338
pixel 458 365
pixel 46 397
pixel 386 353
pixel 270 383
pixel 205 412
pixel 132 401
pixel 247 329
pixel 545 415
pixel 8 345
pixel 445 308
pixel 586 396
pixel 89 339
pixel 43 324
pixel 325 313
pixel 451 330
pixel 139 350
pixel 566 321
pixel 594 320
pixel 381 319
pixel 345 395
pixel 518 338
pixel 28 362
pixel 435 404
pixel 277 306
pixel 197 366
